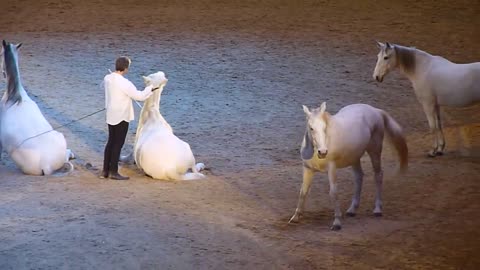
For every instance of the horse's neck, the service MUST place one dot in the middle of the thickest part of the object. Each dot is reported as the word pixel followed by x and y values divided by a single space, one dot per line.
pixel 150 116
pixel 15 90
pixel 331 128
pixel 412 61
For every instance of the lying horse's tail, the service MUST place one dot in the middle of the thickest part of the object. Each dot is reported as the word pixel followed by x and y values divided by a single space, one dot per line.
pixel 395 134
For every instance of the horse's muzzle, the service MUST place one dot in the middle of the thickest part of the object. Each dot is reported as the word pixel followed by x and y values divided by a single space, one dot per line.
pixel 322 154
pixel 379 79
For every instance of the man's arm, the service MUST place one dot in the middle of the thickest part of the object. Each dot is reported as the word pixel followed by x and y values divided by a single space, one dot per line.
pixel 133 93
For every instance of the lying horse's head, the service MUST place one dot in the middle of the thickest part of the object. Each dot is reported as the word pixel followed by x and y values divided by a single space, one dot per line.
pixel 10 70
pixel 157 79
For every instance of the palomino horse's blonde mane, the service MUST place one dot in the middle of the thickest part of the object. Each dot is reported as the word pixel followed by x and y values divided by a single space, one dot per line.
pixel 317 112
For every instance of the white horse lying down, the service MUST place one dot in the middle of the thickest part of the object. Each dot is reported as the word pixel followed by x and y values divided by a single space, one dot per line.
pixel 436 82
pixel 25 134
pixel 339 141
pixel 157 151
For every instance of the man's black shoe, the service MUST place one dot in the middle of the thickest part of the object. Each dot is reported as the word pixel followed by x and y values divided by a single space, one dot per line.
pixel 117 176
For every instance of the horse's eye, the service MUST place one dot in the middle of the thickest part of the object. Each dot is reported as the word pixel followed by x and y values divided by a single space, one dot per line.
pixel 385 58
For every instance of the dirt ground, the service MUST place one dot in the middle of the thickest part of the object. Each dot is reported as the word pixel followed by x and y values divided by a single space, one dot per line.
pixel 238 72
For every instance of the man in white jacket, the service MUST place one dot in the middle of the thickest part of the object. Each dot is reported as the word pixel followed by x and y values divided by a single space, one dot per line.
pixel 119 93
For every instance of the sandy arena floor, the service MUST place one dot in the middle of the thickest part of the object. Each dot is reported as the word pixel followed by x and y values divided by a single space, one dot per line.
pixel 238 75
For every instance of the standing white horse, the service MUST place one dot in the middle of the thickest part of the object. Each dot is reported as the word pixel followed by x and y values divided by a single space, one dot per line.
pixel 436 82
pixel 339 141
pixel 157 151
pixel 25 134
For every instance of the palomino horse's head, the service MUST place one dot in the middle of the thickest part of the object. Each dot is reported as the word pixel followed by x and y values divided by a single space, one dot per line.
pixel 316 133
pixel 386 61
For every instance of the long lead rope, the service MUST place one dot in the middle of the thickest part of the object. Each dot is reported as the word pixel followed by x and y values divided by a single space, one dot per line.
pixel 81 118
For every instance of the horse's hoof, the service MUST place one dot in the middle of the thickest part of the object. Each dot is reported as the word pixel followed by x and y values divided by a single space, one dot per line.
pixel 379 214
pixel 439 153
pixel 336 227
pixel 350 214
pixel 200 166
pixel 431 154
pixel 294 219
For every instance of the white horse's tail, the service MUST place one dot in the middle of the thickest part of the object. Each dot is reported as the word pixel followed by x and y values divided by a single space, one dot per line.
pixel 395 134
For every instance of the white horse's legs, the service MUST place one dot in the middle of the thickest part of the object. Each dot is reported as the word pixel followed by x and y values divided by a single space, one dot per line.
pixel 376 160
pixel 433 118
pixel 374 151
pixel 440 136
pixel 70 155
pixel 358 181
pixel 304 190
pixel 332 179
pixel 199 167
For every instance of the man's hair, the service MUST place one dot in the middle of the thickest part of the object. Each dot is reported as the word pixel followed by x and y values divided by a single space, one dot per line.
pixel 122 63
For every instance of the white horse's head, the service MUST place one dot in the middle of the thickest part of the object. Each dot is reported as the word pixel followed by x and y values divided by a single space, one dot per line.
pixel 157 79
pixel 316 133
pixel 386 61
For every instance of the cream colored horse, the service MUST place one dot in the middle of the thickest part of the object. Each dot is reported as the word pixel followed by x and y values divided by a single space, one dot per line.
pixel 436 82
pixel 337 141
pixel 157 151
pixel 25 134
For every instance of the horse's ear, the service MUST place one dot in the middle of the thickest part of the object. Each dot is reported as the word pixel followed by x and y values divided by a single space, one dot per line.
pixel 387 45
pixel 18 45
pixel 306 152
pixel 146 80
pixel 380 45
pixel 323 107
pixel 306 110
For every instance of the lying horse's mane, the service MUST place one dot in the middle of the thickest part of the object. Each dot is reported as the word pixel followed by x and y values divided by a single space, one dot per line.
pixel 13 83
pixel 405 58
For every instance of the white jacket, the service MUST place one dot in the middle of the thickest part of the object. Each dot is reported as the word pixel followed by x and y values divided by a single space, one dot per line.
pixel 119 93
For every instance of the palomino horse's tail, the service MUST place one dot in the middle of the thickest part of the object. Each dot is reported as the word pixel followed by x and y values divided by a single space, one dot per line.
pixel 395 134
